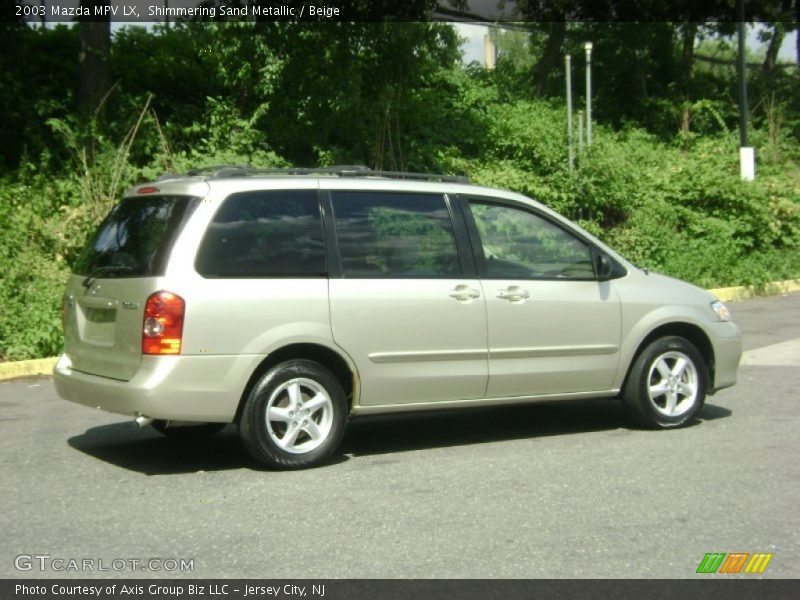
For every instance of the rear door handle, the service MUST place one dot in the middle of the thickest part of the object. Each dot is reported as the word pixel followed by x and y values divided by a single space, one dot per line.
pixel 513 293
pixel 464 293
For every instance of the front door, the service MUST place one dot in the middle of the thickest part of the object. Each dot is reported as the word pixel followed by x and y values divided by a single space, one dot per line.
pixel 553 327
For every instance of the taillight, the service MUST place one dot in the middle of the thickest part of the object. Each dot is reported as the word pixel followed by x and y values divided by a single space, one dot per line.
pixel 163 324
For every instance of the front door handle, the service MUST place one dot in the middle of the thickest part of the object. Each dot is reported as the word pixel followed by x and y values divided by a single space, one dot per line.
pixel 464 293
pixel 513 293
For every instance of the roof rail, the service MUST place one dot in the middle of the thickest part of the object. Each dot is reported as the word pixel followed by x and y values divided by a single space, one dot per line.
pixel 225 171
pixel 209 171
pixel 412 176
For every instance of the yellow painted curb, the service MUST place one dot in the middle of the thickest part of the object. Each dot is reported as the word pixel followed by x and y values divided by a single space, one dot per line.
pixel 26 368
pixel 770 289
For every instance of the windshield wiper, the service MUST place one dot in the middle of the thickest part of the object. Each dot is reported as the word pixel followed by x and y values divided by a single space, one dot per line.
pixel 92 276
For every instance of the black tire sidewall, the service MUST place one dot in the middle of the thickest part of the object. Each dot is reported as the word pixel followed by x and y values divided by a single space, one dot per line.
pixel 253 428
pixel 636 396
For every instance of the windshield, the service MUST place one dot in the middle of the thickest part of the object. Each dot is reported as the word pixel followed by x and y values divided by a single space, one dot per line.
pixel 136 237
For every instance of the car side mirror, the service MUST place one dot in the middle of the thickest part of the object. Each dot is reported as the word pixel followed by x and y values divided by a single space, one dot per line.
pixel 603 267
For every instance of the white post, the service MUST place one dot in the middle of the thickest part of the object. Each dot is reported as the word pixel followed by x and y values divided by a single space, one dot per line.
pixel 747 163
pixel 489 53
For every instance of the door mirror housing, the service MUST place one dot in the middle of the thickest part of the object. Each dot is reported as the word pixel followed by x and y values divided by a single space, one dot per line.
pixel 603 267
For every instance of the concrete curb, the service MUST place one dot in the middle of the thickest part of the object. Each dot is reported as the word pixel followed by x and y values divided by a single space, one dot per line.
pixel 743 292
pixel 26 368
pixel 44 366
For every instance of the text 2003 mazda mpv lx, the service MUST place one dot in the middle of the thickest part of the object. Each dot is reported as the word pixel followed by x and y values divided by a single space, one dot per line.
pixel 287 301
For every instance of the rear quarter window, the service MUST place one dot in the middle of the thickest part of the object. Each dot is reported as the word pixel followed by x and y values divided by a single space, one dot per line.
pixel 275 233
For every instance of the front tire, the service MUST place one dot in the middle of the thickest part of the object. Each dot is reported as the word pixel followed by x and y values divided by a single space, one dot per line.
pixel 667 384
pixel 295 415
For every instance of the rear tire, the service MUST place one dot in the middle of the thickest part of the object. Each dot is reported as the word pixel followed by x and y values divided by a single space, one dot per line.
pixel 187 432
pixel 666 385
pixel 295 415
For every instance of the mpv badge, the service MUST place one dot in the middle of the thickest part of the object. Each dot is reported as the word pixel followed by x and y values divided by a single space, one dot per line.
pixel 130 305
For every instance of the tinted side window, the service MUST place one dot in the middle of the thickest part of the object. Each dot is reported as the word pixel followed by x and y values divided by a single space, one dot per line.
pixel 263 234
pixel 395 235
pixel 136 237
pixel 520 244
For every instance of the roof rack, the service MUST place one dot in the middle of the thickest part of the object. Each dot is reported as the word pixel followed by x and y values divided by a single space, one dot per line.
pixel 225 171
pixel 412 176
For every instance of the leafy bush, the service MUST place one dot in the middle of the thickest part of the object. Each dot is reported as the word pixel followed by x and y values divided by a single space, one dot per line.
pixel 33 268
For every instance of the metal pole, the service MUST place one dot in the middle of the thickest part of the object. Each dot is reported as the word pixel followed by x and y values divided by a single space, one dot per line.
pixel 747 159
pixel 742 77
pixel 588 47
pixel 580 131
pixel 568 68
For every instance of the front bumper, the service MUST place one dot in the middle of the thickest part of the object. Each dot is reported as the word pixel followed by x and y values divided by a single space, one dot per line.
pixel 727 342
pixel 183 388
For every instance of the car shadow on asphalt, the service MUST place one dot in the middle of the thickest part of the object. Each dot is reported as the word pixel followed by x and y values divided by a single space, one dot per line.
pixel 418 431
pixel 711 412
pixel 148 452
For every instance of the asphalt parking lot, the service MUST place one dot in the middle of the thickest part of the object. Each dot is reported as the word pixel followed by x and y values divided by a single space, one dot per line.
pixel 548 490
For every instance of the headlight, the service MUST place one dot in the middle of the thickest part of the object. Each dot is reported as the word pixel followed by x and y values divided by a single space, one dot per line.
pixel 722 312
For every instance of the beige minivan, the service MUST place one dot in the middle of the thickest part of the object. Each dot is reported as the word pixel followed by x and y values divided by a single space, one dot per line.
pixel 287 301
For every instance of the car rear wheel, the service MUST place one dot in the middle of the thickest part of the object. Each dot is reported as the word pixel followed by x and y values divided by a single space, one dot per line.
pixel 667 384
pixel 295 415
pixel 181 431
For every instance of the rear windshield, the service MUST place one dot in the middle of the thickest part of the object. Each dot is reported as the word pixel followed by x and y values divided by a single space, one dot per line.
pixel 136 237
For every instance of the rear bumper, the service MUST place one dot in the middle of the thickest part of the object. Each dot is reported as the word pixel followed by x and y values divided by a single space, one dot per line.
pixel 727 341
pixel 185 388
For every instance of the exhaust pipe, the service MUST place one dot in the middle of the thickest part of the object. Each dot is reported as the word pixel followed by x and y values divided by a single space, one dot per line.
pixel 143 421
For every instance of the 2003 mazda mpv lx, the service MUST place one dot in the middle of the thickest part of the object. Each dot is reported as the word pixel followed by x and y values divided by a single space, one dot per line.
pixel 286 301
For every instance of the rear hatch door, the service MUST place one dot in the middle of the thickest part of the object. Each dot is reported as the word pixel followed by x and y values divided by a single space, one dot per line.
pixel 113 277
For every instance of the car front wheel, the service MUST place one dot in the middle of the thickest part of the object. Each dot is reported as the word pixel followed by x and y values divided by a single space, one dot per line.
pixel 294 417
pixel 667 384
